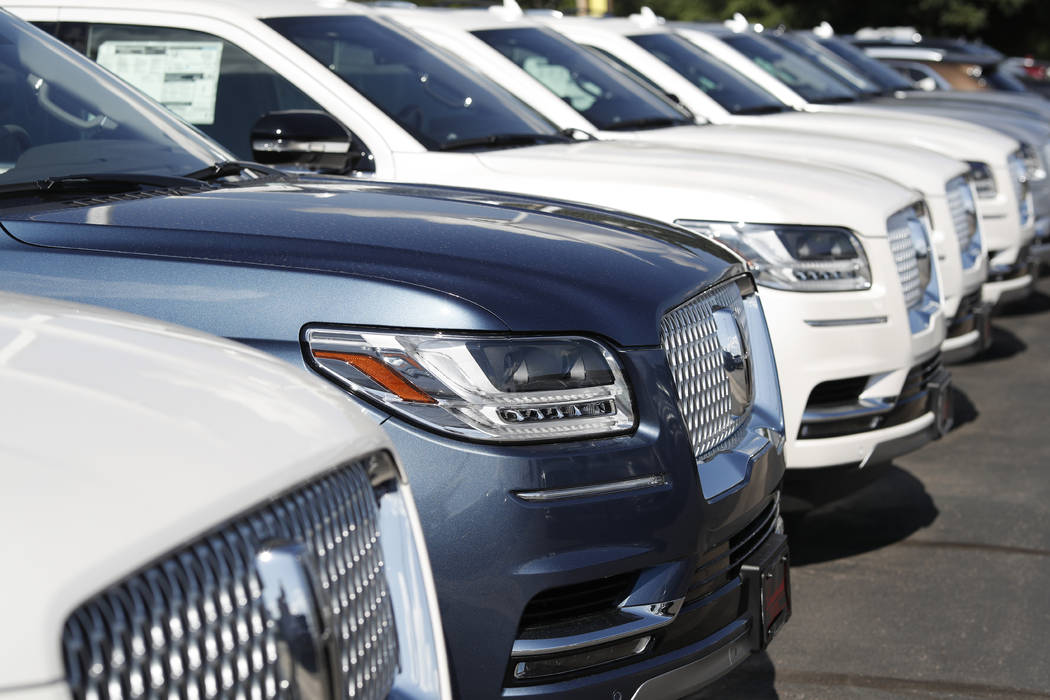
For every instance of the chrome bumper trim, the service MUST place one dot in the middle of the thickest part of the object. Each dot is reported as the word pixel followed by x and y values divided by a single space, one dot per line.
pixel 645 482
pixel 860 409
pixel 887 451
pixel 868 321
pixel 694 676
pixel 646 619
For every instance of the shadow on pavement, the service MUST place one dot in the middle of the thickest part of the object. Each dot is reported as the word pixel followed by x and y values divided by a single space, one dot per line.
pixel 855 511
pixel 1036 303
pixel 752 679
pixel 1004 345
pixel 965 410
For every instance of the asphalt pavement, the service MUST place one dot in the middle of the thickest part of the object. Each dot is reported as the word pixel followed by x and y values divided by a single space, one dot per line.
pixel 930 577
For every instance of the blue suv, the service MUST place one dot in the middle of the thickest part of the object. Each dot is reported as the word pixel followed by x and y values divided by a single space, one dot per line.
pixel 586 403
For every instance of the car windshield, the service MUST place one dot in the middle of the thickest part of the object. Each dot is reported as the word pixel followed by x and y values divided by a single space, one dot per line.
pixel 441 104
pixel 812 83
pixel 826 61
pixel 1000 79
pixel 736 94
pixel 874 70
pixel 61 115
pixel 602 92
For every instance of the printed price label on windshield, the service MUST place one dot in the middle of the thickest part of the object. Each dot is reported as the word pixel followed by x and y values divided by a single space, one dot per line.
pixel 181 75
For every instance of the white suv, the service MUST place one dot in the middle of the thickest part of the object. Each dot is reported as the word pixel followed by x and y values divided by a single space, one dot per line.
pixel 856 295
pixel 1000 172
pixel 751 121
pixel 578 90
pixel 164 495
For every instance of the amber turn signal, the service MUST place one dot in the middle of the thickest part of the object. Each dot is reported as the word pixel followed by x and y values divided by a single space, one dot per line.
pixel 379 373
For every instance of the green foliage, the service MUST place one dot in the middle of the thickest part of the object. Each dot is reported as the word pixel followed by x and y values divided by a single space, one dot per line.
pixel 1015 27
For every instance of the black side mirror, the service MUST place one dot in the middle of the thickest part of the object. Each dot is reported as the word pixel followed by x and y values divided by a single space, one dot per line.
pixel 310 140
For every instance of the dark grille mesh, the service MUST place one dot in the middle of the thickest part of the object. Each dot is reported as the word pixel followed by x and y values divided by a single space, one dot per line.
pixel 193 625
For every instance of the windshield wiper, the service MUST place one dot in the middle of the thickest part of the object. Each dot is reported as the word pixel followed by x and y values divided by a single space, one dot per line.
pixel 498 140
pixel 647 123
pixel 97 182
pixel 225 168
pixel 760 109
pixel 834 100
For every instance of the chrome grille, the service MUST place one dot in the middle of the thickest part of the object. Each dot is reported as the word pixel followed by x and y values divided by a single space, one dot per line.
pixel 903 249
pixel 689 337
pixel 963 208
pixel 1019 178
pixel 194 625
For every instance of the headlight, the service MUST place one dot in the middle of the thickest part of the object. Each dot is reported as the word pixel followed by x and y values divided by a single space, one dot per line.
pixel 489 388
pixel 983 179
pixel 798 258
pixel 1033 163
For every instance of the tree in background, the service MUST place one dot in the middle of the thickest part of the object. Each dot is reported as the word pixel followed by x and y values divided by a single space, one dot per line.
pixel 1015 27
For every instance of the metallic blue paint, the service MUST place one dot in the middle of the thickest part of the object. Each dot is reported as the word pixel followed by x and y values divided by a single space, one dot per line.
pixel 521 269
pixel 257 263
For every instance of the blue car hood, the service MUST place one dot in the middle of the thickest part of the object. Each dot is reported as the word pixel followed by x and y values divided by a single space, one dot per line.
pixel 534 265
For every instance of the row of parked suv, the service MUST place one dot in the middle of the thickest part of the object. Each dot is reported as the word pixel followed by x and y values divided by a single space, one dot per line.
pixel 599 283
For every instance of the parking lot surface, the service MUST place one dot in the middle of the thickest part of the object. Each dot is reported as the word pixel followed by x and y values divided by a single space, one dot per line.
pixel 931 577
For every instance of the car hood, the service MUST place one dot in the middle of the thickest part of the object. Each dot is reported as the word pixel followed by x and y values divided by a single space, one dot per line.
pixel 122 438
pixel 428 257
pixel 947 136
pixel 1016 124
pixel 1030 103
pixel 917 168
pixel 671 183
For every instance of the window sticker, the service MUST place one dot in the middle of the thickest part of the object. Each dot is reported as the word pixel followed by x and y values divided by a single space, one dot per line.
pixel 181 75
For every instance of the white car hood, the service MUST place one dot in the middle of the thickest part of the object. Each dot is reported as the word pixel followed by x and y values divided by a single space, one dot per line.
pixel 678 183
pixel 950 137
pixel 921 169
pixel 122 437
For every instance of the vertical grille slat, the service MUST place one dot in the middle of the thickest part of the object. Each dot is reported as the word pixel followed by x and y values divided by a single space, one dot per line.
pixel 193 625
pixel 690 342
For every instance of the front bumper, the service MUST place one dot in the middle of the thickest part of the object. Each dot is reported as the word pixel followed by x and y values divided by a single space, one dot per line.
pixel 1040 249
pixel 1011 276
pixel 970 331
pixel 493 552
pixel 821 338
pixel 864 432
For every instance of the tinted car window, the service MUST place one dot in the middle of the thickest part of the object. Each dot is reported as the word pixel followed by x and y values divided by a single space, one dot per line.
pixel 213 84
pixel 607 96
pixel 1001 80
pixel 733 91
pixel 813 84
pixel 826 61
pixel 874 70
pixel 60 115
pixel 438 102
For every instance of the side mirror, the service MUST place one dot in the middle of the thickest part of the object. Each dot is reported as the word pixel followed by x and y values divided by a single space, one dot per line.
pixel 309 140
